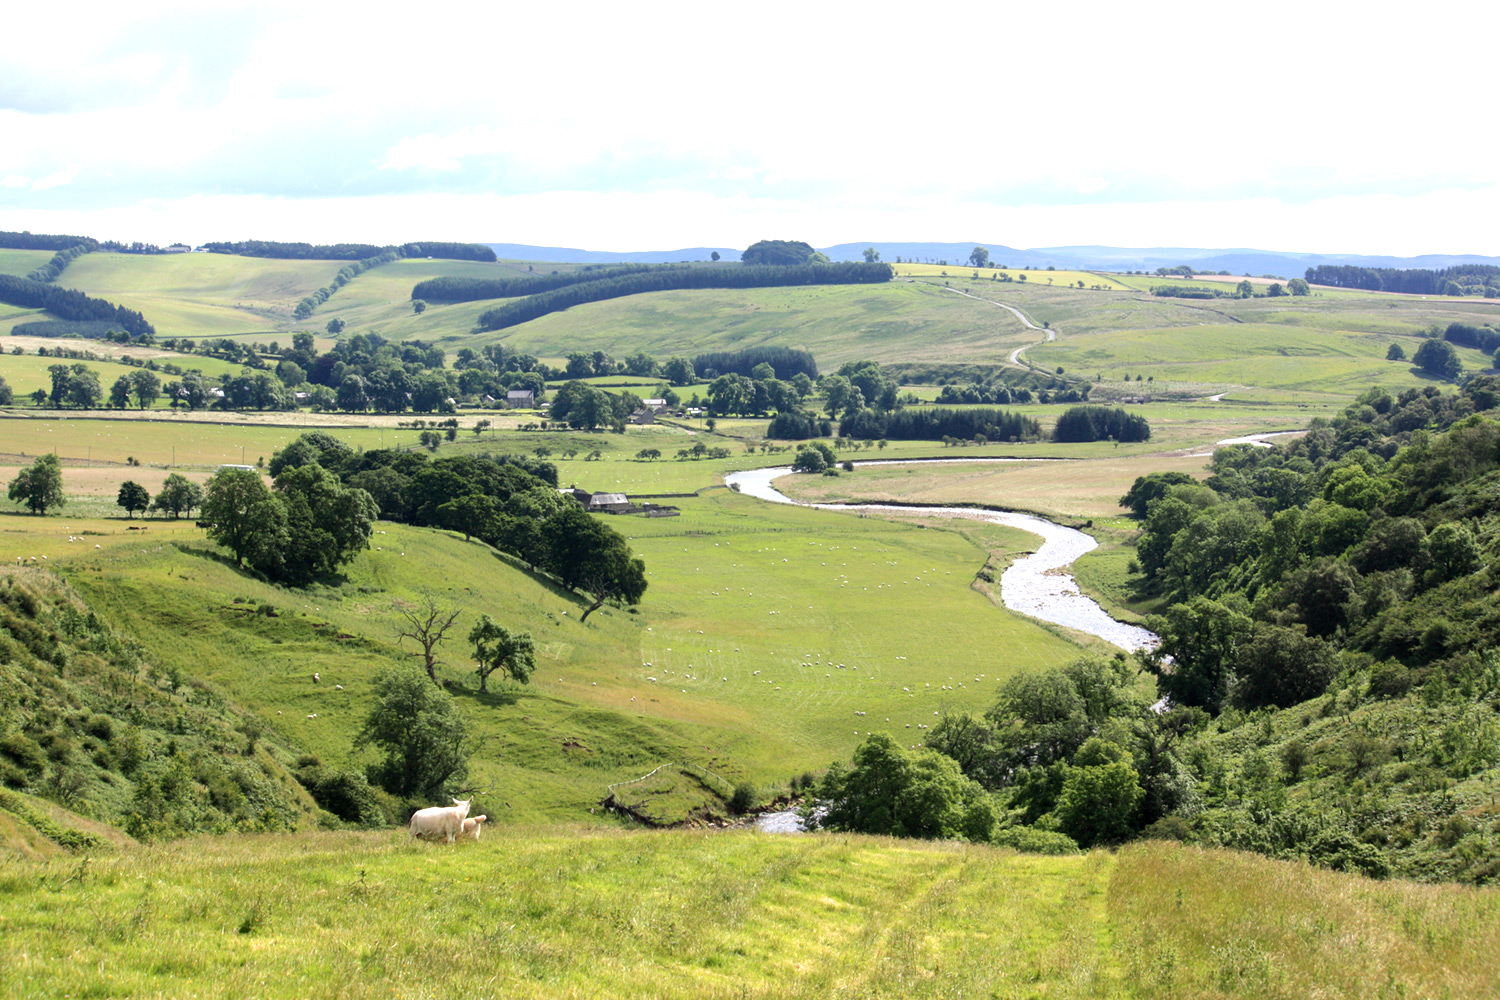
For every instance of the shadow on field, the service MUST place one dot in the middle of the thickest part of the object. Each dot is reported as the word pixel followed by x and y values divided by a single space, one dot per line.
pixel 540 578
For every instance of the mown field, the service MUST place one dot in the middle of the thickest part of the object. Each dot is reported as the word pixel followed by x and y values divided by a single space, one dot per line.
pixel 577 912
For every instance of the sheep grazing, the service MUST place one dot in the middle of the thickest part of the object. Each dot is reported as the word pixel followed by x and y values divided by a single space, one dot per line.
pixel 473 826
pixel 317 678
pixel 435 821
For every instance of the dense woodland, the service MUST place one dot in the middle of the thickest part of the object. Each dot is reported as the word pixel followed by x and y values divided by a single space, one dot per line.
pixel 1462 279
pixel 456 289
pixel 672 278
pixel 44 241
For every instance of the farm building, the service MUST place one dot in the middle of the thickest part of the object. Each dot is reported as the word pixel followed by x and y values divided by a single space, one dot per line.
pixel 520 399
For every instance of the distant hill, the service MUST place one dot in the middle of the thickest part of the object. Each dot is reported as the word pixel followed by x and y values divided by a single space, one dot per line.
pixel 570 255
pixel 1282 263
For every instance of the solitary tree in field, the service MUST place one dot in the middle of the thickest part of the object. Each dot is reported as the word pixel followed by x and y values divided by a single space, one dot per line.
pixel 1395 353
pixel 979 257
pixel 132 497
pixel 872 256
pixel 498 648
pixel 714 256
pixel 418 306
pixel 425 623
pixel 39 485
pixel 424 738
pixel 334 327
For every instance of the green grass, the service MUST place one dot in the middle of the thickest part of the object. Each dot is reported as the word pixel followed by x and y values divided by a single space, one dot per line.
pixel 765 629
pixel 23 262
pixel 26 372
pixel 578 912
pixel 201 294
pixel 900 321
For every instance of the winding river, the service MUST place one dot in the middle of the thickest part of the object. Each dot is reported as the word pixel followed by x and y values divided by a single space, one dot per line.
pixel 1033 585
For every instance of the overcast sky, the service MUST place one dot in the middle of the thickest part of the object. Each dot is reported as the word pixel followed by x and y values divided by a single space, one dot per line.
pixel 1313 127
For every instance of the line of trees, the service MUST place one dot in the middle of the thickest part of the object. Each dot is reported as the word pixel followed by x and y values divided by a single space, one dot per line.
pixel 44 241
pixel 676 277
pixel 1462 279
pixel 938 423
pixel 346 274
pixel 59 263
pixel 1100 423
pixel 509 502
pixel 352 251
pixel 786 362
pixel 1482 338
pixel 68 304
pixel 467 289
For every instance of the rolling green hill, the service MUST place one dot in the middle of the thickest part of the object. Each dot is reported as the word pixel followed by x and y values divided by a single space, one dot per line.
pixel 22 262
pixel 201 294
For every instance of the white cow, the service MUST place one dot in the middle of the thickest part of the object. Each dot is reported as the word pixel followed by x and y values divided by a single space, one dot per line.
pixel 473 826
pixel 435 821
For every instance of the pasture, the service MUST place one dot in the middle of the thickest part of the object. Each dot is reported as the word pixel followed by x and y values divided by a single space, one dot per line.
pixel 27 372
pixel 1052 278
pixel 765 630
pixel 201 294
pixel 574 911
pixel 23 262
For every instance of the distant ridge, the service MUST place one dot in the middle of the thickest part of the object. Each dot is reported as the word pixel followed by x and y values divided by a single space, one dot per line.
pixel 1281 263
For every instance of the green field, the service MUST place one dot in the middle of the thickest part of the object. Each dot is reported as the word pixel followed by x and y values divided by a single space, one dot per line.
pixel 574 912
pixel 26 372
pixel 23 262
pixel 201 294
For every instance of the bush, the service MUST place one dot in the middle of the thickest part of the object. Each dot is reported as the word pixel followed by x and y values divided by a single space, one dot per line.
pixel 743 798
pixel 1030 840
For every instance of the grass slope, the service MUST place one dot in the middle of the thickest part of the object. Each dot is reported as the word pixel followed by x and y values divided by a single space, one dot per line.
pixel 23 262
pixel 568 912
pixel 201 294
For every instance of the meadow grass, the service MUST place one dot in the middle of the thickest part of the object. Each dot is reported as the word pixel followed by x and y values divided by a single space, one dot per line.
pixel 559 913
pixel 23 262
pixel 11 315
pixel 1196 923
pixel 574 912
pixel 201 294
pixel 900 321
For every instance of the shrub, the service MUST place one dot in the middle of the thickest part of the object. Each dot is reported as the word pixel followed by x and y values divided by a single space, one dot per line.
pixel 743 798
pixel 1030 840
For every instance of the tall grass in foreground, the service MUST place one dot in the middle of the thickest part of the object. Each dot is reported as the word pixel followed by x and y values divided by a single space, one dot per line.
pixel 1193 923
pixel 561 912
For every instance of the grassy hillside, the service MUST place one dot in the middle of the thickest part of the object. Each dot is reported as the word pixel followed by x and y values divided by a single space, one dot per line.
pixel 201 294
pixel 899 321
pixel 754 672
pixel 570 912
pixel 25 372
pixel 23 262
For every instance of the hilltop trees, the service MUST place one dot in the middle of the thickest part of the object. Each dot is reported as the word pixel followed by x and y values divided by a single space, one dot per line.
pixel 39 486
pixel 777 253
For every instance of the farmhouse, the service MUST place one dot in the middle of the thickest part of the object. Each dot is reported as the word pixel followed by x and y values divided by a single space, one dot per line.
pixel 519 399
pixel 644 415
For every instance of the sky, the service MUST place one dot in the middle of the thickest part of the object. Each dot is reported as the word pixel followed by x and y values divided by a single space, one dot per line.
pixel 1312 127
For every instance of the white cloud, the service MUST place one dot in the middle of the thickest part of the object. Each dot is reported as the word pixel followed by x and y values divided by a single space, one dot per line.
pixel 652 125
